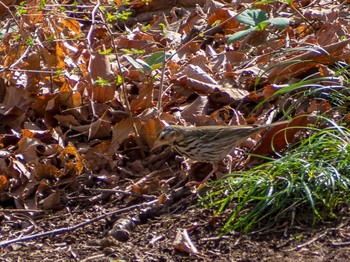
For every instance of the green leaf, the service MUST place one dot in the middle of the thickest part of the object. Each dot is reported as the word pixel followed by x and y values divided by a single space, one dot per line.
pixel 279 22
pixel 261 26
pixel 156 59
pixel 30 41
pixel 164 30
pixel 252 17
pixel 124 15
pixel 119 80
pixel 133 62
pixel 238 35
pixel 101 81
pixel 145 66
pixel 105 52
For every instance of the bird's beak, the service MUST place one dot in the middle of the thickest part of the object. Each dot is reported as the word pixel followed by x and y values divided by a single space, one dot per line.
pixel 157 144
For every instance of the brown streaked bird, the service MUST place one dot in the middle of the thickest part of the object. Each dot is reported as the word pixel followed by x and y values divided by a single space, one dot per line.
pixel 207 143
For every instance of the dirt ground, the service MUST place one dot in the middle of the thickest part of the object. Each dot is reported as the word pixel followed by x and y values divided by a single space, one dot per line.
pixel 151 235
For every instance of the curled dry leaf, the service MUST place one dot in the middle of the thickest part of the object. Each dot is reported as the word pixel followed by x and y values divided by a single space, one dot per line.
pixel 121 132
pixel 278 137
pixel 323 55
pixel 71 159
pixel 3 182
pixel 183 242
pixel 149 131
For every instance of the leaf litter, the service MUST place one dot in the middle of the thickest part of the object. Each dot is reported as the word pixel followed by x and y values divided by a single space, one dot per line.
pixel 84 94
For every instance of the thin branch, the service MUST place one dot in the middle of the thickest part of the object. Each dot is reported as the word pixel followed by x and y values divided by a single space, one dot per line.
pixel 308 242
pixel 73 228
pixel 8 10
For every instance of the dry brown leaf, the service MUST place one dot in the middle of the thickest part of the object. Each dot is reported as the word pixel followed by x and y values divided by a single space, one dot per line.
pixel 50 202
pixel 145 98
pixel 39 105
pixel 187 51
pixel 100 68
pixel 319 107
pixel 28 149
pixel 149 130
pixel 13 117
pixel 197 79
pixel 15 96
pixel 99 157
pixel 222 15
pixel 149 47
pixel 3 182
pixel 281 135
pixel 71 26
pixel 60 56
pixel 41 171
pixel 307 60
pixel 101 128
pixel 49 59
pixel 121 132
pixel 69 98
pixel 197 107
pixel 102 94
pixel 16 169
pixel 68 121
pixel 183 242
pixel 72 159
pixel 228 95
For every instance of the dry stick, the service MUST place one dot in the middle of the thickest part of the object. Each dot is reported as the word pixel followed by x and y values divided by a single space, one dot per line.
pixel 341 244
pixel 125 95
pixel 89 42
pixel 118 191
pixel 27 70
pixel 8 10
pixel 308 242
pixel 159 104
pixel 12 210
pixel 71 229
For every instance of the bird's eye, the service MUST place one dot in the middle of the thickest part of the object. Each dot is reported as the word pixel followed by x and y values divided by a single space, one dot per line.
pixel 166 135
pixel 161 137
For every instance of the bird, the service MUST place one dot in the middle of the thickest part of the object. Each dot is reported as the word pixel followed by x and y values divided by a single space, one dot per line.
pixel 208 144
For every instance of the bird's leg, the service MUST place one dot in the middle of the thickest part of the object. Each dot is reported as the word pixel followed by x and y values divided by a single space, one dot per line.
pixel 229 159
pixel 187 164
pixel 215 168
pixel 198 184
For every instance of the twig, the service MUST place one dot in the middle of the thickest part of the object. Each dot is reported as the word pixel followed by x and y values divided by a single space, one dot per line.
pixel 126 104
pixel 12 210
pixel 341 244
pixel 118 191
pixel 8 10
pixel 94 258
pixel 71 229
pixel 160 92
pixel 308 242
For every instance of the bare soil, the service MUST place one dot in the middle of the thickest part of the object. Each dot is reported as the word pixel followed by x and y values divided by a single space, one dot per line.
pixel 151 236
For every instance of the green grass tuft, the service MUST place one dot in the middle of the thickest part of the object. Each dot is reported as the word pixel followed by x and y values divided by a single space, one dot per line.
pixel 309 184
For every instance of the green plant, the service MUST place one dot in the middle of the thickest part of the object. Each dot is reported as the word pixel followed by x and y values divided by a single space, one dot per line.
pixel 313 179
pixel 101 81
pixel 152 62
pixel 257 20
pixel 124 15
pixel 21 10
pixel 30 41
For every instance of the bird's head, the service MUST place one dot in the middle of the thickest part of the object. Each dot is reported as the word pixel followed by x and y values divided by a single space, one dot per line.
pixel 168 136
